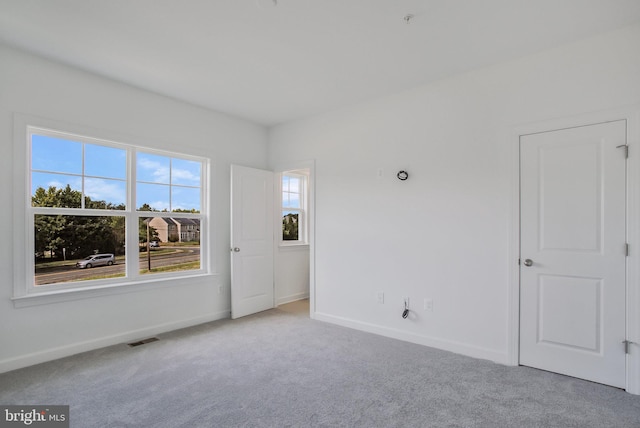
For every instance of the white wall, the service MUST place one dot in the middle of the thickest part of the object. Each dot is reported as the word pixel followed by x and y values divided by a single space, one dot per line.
pixel 34 86
pixel 444 233
pixel 291 273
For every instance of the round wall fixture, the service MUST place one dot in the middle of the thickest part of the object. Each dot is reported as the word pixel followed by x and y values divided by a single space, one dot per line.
pixel 403 175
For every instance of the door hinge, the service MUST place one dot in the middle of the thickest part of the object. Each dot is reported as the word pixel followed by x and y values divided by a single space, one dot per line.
pixel 626 250
pixel 626 150
pixel 627 346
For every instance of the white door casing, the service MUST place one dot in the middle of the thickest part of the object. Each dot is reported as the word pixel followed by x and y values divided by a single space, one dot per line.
pixel 251 241
pixel 573 229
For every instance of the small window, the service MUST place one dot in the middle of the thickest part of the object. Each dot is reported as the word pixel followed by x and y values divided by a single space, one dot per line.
pixel 294 207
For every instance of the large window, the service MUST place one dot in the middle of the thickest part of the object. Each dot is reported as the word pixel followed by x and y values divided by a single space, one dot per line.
pixel 294 207
pixel 101 212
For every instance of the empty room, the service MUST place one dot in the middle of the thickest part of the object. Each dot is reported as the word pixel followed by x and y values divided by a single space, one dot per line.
pixel 336 213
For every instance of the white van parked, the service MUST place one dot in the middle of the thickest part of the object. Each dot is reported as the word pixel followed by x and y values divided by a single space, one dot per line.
pixel 96 260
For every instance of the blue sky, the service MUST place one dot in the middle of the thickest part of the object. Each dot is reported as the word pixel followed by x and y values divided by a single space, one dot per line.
pixel 162 182
pixel 290 192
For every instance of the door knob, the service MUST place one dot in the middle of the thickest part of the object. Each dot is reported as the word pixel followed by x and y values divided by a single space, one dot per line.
pixel 236 249
pixel 528 262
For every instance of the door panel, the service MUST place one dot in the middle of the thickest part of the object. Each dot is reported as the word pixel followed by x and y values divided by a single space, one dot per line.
pixel 573 230
pixel 251 241
pixel 565 301
pixel 570 215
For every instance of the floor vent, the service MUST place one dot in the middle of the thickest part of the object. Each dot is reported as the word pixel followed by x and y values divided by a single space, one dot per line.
pixel 143 341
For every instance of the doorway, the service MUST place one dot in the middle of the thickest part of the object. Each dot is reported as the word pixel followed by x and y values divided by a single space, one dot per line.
pixel 294 237
pixel 268 270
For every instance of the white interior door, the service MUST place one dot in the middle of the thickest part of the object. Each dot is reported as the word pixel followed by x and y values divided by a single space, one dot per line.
pixel 573 252
pixel 251 241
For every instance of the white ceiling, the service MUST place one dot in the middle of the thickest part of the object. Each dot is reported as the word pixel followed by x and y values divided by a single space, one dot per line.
pixel 272 62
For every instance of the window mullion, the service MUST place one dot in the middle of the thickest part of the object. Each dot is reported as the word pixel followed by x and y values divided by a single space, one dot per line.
pixel 82 182
pixel 131 245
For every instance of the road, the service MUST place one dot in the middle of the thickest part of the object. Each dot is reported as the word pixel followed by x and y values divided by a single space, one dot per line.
pixel 71 273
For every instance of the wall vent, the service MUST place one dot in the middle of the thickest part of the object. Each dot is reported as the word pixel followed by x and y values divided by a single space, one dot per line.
pixel 143 341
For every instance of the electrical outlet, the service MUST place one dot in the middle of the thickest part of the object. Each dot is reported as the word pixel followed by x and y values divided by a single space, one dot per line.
pixel 428 305
pixel 380 296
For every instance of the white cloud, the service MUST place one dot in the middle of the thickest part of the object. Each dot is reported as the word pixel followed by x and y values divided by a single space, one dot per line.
pixel 105 190
pixel 56 184
pixel 184 176
pixel 74 183
pixel 159 205
pixel 159 172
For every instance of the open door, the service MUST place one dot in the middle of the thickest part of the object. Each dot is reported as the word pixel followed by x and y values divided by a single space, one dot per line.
pixel 251 241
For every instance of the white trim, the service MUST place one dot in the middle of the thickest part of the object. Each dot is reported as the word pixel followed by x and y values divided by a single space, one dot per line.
pixel 89 345
pixel 293 247
pixel 291 298
pixel 633 261
pixel 446 345
pixel 513 326
pixel 632 116
pixel 21 182
pixel 87 292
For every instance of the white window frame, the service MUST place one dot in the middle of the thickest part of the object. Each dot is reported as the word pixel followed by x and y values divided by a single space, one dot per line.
pixel 26 293
pixel 303 232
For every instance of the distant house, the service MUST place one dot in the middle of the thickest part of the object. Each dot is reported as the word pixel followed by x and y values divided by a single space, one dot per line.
pixel 176 229
pixel 188 229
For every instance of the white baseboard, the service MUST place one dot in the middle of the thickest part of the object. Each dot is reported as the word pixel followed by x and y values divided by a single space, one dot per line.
pixel 89 345
pixel 456 347
pixel 292 298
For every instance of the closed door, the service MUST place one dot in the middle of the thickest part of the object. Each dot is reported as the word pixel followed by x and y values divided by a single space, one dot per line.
pixel 251 241
pixel 573 251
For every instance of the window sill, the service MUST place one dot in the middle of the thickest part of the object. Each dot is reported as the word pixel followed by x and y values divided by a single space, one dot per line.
pixel 292 247
pixel 59 296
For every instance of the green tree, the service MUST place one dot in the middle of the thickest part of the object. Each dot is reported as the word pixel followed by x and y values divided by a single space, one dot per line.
pixel 77 235
pixel 146 207
pixel 57 198
pixel 290 227
pixel 101 205
pixel 47 233
pixel 142 231
pixel 117 226
pixel 192 211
